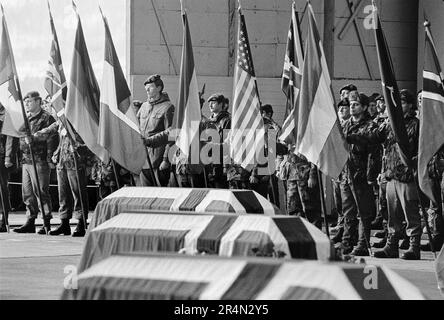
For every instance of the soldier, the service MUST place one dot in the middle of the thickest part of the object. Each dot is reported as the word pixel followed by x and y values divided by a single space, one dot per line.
pixel 73 195
pixel 343 115
pixel 43 149
pixel 156 116
pixel 8 153
pixel 219 120
pixel 345 90
pixel 372 109
pixel 358 175
pixel 402 195
pixel 261 182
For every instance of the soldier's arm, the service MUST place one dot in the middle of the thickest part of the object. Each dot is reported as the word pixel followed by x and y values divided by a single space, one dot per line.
pixel 167 125
pixel 157 140
pixel 52 140
pixel 43 134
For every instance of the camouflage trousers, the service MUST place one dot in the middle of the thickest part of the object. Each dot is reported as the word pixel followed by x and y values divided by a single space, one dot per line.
pixel 304 201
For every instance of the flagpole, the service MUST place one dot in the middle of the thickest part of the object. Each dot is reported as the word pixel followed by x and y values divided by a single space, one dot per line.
pixel 115 173
pixel 323 205
pixel 29 136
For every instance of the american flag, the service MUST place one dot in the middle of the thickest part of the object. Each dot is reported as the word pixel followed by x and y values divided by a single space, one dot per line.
pixel 247 132
pixel 291 79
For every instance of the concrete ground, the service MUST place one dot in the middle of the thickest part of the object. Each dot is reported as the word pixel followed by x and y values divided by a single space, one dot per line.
pixel 35 267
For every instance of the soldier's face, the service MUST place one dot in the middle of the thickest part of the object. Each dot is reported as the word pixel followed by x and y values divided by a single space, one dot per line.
pixel 406 107
pixel 372 108
pixel 215 107
pixel 356 108
pixel 344 94
pixel 381 106
pixel 152 91
pixel 344 112
pixel 33 105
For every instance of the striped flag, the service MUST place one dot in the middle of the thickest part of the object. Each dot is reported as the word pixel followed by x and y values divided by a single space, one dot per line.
pixel 431 133
pixel 188 115
pixel 55 81
pixel 390 90
pixel 291 79
pixel 247 130
pixel 14 123
pixel 320 138
pixel 118 129
pixel 83 98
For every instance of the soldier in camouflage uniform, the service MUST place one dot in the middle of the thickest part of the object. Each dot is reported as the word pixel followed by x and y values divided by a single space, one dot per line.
pixel 72 192
pixel 402 195
pixel 303 197
pixel 43 149
pixel 358 175
pixel 8 153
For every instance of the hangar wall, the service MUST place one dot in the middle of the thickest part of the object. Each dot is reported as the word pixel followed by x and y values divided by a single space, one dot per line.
pixel 213 32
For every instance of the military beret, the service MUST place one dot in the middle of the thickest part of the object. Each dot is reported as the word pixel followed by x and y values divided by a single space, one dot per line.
pixel 344 102
pixel 219 97
pixel 152 79
pixel 32 94
pixel 349 87
pixel 360 97
pixel 267 108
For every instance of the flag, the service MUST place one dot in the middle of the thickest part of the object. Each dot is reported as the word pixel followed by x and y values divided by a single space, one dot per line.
pixel 14 123
pixel 291 79
pixel 83 97
pixel 391 92
pixel 188 115
pixel 118 127
pixel 431 133
pixel 55 81
pixel 320 137
pixel 247 129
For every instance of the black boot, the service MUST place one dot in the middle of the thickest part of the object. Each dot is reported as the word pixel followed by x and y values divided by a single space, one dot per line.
pixel 28 227
pixel 405 244
pixel 3 227
pixel 63 228
pixel 80 229
pixel 437 244
pixel 338 237
pixel 381 244
pixel 46 226
pixel 390 250
pixel 360 250
pixel 414 252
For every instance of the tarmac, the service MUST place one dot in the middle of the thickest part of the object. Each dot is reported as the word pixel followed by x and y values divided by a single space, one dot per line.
pixel 35 267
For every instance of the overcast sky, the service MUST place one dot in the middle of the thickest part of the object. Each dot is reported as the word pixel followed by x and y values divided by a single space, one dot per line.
pixel 28 23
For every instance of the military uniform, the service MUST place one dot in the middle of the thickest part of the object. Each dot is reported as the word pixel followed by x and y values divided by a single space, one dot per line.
pixel 156 117
pixel 217 171
pixel 357 195
pixel 301 200
pixel 8 153
pixel 43 149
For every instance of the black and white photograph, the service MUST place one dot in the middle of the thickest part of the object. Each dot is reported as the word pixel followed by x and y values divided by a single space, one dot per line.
pixel 226 156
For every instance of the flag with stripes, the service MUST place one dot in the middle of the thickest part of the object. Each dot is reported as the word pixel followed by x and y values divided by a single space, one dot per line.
pixel 390 91
pixel 129 199
pixel 55 81
pixel 83 97
pixel 247 129
pixel 291 79
pixel 13 123
pixel 182 277
pixel 188 113
pixel 431 133
pixel 320 137
pixel 118 127
pixel 217 234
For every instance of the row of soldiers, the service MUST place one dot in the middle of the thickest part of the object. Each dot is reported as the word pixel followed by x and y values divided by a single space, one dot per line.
pixel 375 171
pixel 373 167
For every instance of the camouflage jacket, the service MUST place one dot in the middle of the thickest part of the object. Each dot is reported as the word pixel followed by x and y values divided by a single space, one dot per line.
pixel 220 122
pixel 296 167
pixel 154 118
pixel 393 167
pixel 43 147
pixel 363 162
pixel 436 165
pixel 64 154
